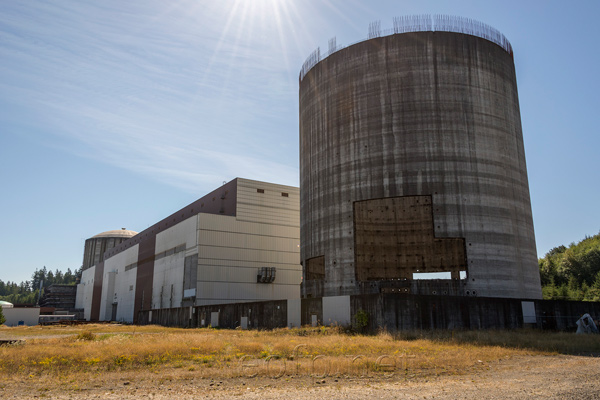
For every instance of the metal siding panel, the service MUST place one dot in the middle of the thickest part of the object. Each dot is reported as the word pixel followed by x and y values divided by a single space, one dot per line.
pixel 230 224
pixel 232 249
pixel 87 279
pixel 183 232
pixel 122 259
pixel 238 274
pixel 125 297
pixel 245 241
pixel 168 272
pixel 228 253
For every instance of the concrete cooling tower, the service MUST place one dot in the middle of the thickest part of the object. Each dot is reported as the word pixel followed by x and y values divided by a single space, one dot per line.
pixel 412 166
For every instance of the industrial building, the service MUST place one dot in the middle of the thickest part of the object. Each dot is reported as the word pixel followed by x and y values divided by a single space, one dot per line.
pixel 412 165
pixel 96 246
pixel 239 243
pixel 20 315
pixel 93 255
pixel 413 205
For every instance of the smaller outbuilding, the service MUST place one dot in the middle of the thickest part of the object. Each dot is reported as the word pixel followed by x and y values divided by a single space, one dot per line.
pixel 20 315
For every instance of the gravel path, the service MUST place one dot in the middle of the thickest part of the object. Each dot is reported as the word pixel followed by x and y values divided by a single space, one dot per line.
pixel 547 377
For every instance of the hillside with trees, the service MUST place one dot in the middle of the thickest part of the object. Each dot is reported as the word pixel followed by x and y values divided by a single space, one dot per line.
pixel 572 273
pixel 28 292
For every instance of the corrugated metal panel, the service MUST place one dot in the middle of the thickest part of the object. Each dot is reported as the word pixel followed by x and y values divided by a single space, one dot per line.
pixel 230 224
pixel 233 254
pixel 251 184
pixel 249 264
pixel 265 233
pixel 275 204
pixel 238 274
pixel 246 241
pixel 268 215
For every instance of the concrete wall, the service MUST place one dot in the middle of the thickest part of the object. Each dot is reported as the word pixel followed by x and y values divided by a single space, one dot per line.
pixel 418 114
pixel 259 315
pixel 337 310
pixel 389 311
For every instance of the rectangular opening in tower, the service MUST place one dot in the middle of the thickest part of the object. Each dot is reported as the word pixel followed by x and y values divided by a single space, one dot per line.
pixel 394 238
pixel 315 268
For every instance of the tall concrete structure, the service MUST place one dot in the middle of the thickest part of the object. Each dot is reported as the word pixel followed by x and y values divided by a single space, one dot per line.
pixel 97 245
pixel 239 243
pixel 412 166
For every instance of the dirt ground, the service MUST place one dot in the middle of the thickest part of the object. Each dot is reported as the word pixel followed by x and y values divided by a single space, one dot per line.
pixel 522 377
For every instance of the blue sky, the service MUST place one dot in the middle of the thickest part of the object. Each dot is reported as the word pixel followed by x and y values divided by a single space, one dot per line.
pixel 115 114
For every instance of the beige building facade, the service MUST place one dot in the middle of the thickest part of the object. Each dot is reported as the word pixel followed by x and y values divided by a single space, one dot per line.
pixel 239 243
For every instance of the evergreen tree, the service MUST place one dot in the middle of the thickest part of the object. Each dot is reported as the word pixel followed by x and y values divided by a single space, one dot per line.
pixel 27 292
pixel 572 273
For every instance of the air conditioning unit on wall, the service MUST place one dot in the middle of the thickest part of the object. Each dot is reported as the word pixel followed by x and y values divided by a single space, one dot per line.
pixel 266 275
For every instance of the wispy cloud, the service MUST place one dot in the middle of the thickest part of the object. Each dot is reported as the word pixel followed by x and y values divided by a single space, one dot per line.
pixel 166 92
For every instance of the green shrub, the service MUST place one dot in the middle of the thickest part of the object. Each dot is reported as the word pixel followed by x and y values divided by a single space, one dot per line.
pixel 86 336
pixel 361 320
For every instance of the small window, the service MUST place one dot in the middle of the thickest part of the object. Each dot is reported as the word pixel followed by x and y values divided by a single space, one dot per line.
pixel 285 195
pixel 260 190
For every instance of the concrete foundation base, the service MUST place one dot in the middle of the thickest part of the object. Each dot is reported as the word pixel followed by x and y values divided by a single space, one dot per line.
pixel 393 312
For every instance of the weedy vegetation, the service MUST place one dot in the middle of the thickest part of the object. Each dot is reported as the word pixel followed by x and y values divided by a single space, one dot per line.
pixel 307 351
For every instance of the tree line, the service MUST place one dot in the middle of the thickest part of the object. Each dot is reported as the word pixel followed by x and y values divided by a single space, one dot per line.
pixel 572 273
pixel 27 292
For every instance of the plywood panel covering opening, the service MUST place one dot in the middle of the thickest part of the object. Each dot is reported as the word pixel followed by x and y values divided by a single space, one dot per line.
pixel 315 268
pixel 395 237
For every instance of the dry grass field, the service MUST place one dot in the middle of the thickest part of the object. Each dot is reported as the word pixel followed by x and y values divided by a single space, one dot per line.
pixel 74 359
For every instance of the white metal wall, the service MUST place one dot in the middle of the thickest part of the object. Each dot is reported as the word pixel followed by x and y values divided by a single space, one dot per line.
pixel 85 290
pixel 125 294
pixel 182 233
pixel 178 242
pixel 167 286
pixel 118 285
pixel 108 294
pixel 28 316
